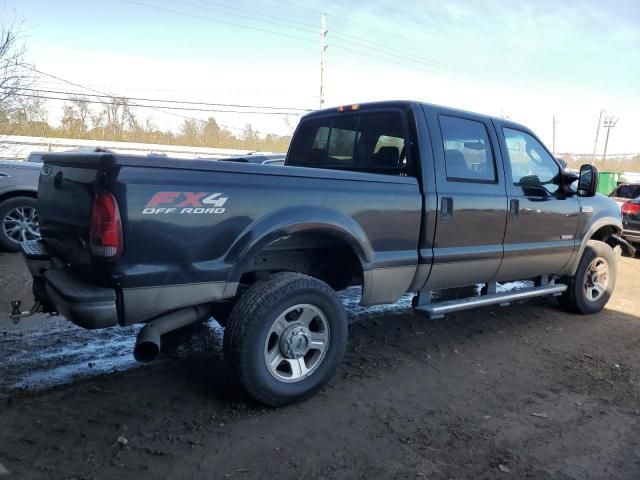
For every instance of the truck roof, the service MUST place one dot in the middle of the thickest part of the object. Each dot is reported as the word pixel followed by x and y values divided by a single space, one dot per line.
pixel 406 104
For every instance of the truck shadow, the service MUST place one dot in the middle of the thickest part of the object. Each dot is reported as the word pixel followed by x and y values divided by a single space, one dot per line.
pixel 44 354
pixel 380 339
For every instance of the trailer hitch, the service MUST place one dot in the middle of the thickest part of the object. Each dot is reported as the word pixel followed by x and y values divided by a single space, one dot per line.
pixel 16 315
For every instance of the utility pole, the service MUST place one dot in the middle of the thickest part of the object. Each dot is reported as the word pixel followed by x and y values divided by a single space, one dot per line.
pixel 609 123
pixel 554 135
pixel 323 50
pixel 595 144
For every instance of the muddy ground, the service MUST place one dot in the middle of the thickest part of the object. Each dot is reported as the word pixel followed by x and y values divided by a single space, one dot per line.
pixel 520 392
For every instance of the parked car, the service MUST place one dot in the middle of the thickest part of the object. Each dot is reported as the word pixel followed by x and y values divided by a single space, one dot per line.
pixel 624 192
pixel 18 209
pixel 631 220
pixel 394 196
pixel 35 157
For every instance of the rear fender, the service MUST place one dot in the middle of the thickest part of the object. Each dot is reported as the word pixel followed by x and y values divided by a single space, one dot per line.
pixel 288 221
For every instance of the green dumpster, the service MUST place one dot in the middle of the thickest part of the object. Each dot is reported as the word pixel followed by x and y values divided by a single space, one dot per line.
pixel 607 182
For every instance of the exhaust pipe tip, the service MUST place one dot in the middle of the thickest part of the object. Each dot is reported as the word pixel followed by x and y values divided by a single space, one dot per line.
pixel 147 346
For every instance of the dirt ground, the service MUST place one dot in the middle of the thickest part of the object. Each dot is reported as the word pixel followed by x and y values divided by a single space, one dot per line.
pixel 525 391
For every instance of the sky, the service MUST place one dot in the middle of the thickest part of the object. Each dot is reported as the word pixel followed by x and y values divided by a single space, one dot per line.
pixel 526 60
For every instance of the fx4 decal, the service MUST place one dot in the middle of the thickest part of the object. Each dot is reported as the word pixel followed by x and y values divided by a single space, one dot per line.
pixel 185 203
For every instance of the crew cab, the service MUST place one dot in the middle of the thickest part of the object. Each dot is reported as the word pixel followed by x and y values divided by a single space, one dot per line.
pixel 395 197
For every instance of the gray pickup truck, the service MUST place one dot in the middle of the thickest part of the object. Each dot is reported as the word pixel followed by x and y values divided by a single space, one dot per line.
pixel 394 197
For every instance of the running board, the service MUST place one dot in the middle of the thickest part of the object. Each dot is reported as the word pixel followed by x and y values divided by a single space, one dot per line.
pixel 439 309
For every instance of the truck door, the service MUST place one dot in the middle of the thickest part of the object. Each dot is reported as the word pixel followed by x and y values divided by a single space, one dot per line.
pixel 542 221
pixel 471 199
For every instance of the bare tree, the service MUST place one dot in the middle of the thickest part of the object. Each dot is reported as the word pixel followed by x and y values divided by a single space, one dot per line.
pixel 13 74
pixel 119 117
pixel 81 111
pixel 191 131
pixel 76 115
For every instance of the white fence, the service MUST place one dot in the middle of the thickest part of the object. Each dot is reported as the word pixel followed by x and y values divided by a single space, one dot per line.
pixel 18 147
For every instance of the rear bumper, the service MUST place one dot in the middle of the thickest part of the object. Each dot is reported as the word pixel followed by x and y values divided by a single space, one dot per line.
pixel 92 307
pixel 86 305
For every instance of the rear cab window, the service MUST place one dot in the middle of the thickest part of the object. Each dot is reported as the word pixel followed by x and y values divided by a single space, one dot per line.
pixel 373 142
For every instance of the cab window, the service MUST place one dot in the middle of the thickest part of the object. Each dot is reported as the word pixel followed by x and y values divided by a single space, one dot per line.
pixel 467 151
pixel 532 166
pixel 368 142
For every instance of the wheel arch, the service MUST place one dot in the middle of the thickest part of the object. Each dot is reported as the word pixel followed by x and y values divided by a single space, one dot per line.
pixel 602 230
pixel 18 193
pixel 288 224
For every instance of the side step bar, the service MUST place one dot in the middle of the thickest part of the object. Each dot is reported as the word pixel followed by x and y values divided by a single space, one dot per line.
pixel 439 309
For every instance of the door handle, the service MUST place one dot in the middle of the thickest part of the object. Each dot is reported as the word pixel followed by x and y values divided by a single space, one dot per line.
pixel 514 208
pixel 446 208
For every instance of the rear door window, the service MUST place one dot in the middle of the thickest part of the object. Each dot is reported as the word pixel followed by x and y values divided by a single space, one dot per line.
pixel 369 142
pixel 467 150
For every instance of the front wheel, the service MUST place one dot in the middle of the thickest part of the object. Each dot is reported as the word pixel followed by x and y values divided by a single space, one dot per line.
pixel 285 338
pixel 592 285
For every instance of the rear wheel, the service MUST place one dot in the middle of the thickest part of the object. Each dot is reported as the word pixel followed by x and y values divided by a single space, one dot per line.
pixel 18 222
pixel 285 338
pixel 592 285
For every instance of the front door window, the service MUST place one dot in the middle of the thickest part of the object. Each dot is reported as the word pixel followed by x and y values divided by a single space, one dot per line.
pixel 532 167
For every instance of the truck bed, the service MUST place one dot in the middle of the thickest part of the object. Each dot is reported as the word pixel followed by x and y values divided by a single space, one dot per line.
pixel 179 250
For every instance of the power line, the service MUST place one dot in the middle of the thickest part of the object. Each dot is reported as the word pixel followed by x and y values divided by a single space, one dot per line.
pixel 403 55
pixel 224 22
pixel 408 61
pixel 329 14
pixel 366 25
pixel 184 102
pixel 50 75
pixel 162 107
pixel 384 59
pixel 260 14
pixel 396 52
pixel 44 83
pixel 311 28
pixel 246 17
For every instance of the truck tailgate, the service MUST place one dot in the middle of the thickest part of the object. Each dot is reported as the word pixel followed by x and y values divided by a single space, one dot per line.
pixel 65 196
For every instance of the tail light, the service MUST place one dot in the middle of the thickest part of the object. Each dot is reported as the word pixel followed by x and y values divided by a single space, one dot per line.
pixel 106 227
pixel 630 208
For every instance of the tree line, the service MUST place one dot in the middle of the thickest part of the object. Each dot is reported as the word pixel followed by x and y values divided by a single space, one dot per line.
pixel 610 164
pixel 23 111
pixel 115 120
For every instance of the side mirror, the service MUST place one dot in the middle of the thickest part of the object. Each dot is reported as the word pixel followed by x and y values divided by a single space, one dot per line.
pixel 562 162
pixel 588 181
